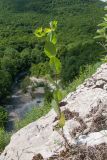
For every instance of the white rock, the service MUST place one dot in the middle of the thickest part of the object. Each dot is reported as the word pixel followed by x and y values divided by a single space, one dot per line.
pixel 95 138
pixel 39 136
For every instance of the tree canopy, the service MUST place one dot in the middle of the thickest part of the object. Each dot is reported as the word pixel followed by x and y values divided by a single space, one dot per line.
pixel 77 20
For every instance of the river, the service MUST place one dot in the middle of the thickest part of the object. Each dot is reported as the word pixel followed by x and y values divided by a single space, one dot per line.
pixel 19 103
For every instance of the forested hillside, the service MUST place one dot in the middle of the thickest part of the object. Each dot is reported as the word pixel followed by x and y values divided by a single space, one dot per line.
pixel 19 49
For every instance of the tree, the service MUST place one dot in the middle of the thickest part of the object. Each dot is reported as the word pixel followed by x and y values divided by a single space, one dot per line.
pixel 5 83
pixel 9 65
pixel 40 69
pixel 3 116
pixel 25 58
pixel 37 56
pixel 102 33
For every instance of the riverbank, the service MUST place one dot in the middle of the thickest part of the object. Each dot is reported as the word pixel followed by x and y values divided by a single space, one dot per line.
pixel 20 103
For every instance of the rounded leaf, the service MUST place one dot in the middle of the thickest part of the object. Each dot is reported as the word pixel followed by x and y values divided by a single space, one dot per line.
pixel 54 104
pixel 49 49
pixel 62 120
pixel 39 32
pixel 55 64
pixel 58 95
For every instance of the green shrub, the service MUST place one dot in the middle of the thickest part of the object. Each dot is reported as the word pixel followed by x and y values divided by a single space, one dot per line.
pixel 25 83
pixel 80 55
pixel 3 116
pixel 40 69
pixel 4 139
pixel 5 84
pixel 84 74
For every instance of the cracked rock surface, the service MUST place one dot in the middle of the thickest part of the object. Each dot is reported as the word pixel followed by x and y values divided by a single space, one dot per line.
pixel 86 113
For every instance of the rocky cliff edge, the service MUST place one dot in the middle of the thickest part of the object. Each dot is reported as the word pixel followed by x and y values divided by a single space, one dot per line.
pixel 86 123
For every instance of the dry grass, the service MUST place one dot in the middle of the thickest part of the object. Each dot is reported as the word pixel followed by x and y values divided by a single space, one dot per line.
pixel 83 153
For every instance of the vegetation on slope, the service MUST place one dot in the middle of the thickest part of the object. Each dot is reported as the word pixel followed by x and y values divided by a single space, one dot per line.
pixel 19 50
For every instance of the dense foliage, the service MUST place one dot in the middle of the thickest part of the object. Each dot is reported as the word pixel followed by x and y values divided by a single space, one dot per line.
pixel 19 50
pixel 4 139
pixel 3 116
pixel 102 34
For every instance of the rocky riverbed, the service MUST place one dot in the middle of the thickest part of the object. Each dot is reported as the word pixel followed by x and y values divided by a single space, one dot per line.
pixel 20 103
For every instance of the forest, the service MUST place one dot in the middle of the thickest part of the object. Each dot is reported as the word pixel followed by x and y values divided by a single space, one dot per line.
pixel 22 55
pixel 21 51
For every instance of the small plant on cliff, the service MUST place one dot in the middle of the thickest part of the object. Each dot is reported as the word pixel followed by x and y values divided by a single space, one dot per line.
pixel 50 50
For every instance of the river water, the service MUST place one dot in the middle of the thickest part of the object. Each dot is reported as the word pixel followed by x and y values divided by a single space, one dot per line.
pixel 19 103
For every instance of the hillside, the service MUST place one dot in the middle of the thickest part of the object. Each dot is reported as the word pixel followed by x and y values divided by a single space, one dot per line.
pixel 85 127
pixel 77 17
pixel 19 48
pixel 77 55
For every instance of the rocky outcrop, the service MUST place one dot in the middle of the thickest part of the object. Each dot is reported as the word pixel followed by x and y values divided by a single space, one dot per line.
pixel 86 123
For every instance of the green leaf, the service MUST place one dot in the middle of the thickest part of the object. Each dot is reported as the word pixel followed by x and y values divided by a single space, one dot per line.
pixel 54 104
pixel 105 19
pixel 53 25
pixel 62 120
pixel 39 32
pixel 99 36
pixel 100 31
pixel 54 38
pixel 50 49
pixel 55 64
pixel 47 30
pixel 104 60
pixel 104 24
pixel 58 95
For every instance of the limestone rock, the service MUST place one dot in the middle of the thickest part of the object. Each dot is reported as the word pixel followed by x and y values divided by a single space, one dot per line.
pixel 89 101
